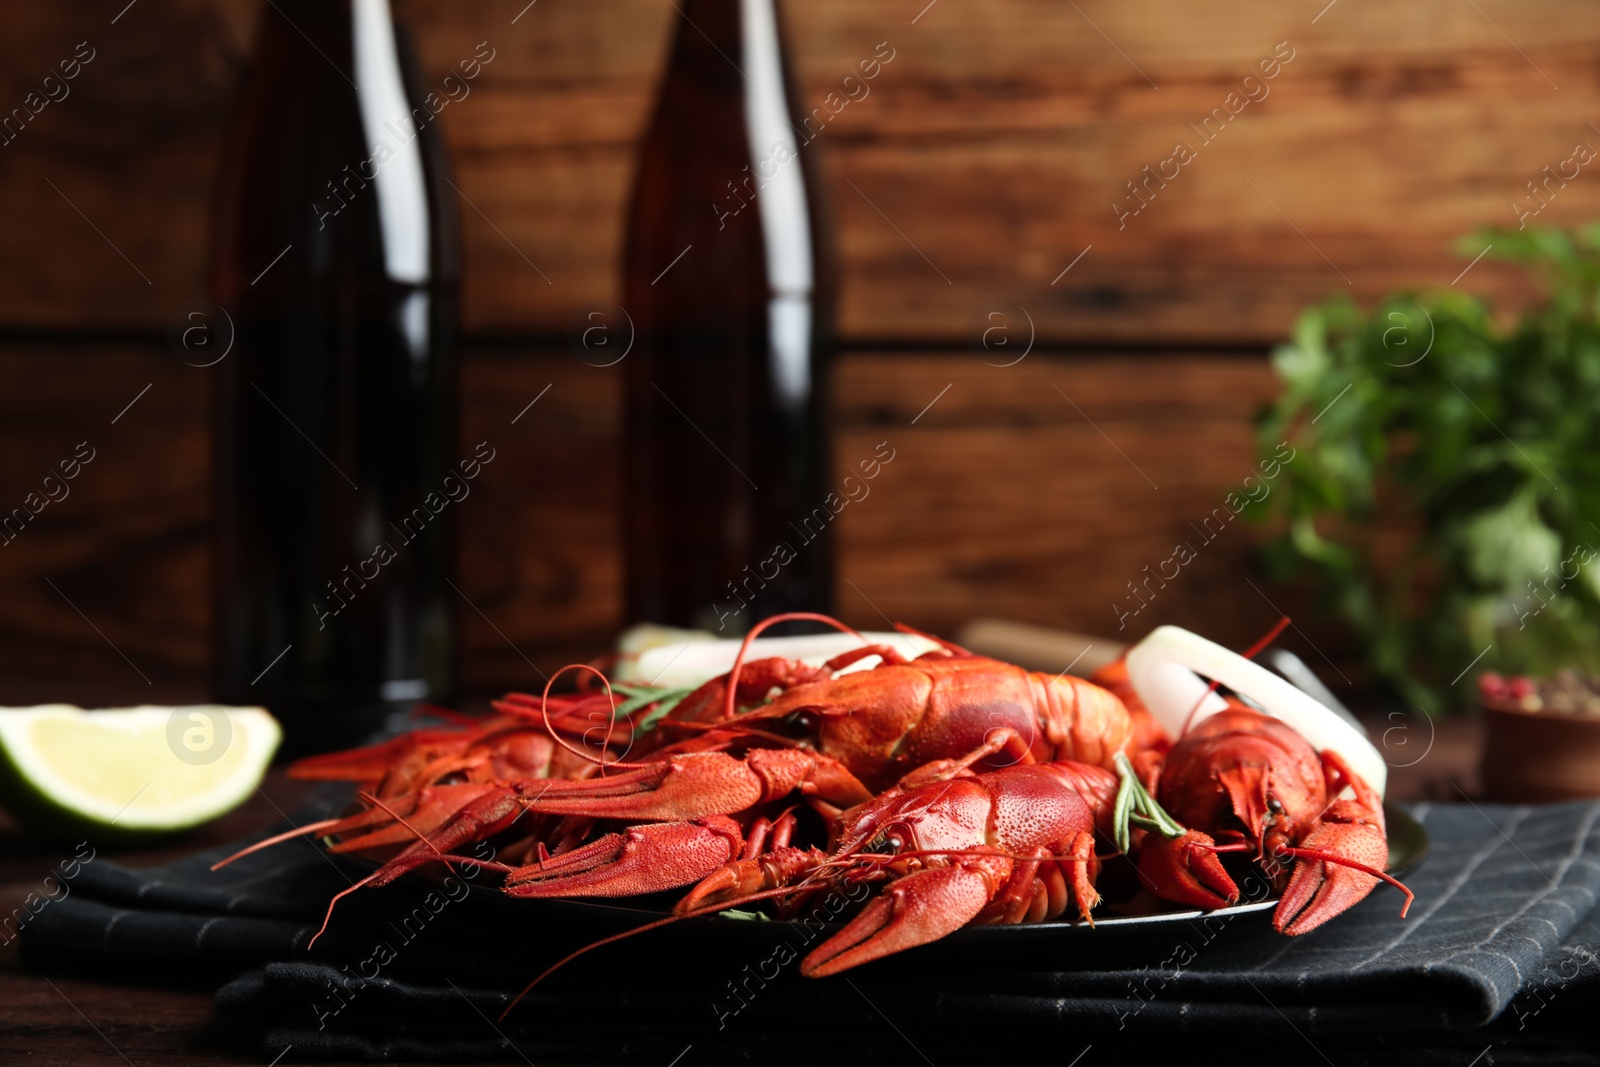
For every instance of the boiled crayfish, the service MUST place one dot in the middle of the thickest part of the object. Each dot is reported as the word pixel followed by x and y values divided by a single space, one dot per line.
pixel 1010 846
pixel 1247 780
pixel 968 789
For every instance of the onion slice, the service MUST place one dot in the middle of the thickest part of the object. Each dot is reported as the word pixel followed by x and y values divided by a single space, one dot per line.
pixel 1170 670
pixel 689 664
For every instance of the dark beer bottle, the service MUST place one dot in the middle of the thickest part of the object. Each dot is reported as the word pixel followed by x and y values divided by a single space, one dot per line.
pixel 728 283
pixel 336 257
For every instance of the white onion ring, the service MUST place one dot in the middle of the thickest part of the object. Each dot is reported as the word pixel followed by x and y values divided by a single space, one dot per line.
pixel 1169 669
pixel 689 664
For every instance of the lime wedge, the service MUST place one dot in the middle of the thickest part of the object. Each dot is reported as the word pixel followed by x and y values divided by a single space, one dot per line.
pixel 130 773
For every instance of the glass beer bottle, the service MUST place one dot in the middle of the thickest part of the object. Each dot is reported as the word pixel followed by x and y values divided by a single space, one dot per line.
pixel 728 284
pixel 336 257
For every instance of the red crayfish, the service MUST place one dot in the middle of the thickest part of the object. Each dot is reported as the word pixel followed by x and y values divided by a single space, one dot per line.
pixel 969 790
pixel 1254 784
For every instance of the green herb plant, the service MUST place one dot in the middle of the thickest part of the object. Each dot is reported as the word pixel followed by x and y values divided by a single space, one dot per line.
pixel 1445 490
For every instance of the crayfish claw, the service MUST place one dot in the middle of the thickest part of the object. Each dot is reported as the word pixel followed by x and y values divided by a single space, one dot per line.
pixel 1186 870
pixel 640 859
pixel 1336 866
pixel 914 910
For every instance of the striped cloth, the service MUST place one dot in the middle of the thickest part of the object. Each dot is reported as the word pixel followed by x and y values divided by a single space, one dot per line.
pixel 1497 960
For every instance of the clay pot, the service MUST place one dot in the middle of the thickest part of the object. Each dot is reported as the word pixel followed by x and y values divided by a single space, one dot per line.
pixel 1540 756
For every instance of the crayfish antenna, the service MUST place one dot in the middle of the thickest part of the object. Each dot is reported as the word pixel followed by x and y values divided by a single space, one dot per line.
pixel 369 879
pixel 1316 895
pixel 327 916
pixel 1329 857
pixel 1250 653
pixel 276 839
pixel 611 700
pixel 646 928
pixel 730 707
pixel 401 819
pixel 381 871
pixel 450 715
pixel 948 646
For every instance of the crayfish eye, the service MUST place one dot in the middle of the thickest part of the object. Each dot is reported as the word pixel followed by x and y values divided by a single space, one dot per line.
pixel 802 721
pixel 1275 805
pixel 886 843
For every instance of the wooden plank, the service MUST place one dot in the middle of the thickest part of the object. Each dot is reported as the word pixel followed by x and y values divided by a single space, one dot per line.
pixel 1005 497
pixel 541 547
pixel 991 148
pixel 1039 492
pixel 106 592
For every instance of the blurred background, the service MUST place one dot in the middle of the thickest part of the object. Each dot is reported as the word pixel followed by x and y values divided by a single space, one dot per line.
pixel 1066 356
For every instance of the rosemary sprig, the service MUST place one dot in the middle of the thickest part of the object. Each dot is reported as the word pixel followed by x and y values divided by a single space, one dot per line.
pixel 1135 806
pixel 642 696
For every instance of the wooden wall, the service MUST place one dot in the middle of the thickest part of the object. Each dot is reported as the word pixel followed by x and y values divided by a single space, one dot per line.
pixel 986 157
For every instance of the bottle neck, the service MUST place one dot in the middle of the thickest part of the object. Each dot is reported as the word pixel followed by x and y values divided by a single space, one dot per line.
pixel 736 48
pixel 782 201
pixel 711 24
pixel 324 24
pixel 392 128
pixel 729 40
pixel 353 47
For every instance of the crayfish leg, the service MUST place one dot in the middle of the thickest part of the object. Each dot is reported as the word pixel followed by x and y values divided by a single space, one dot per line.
pixel 746 877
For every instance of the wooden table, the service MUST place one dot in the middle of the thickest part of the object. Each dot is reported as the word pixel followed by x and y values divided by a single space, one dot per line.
pixel 56 1022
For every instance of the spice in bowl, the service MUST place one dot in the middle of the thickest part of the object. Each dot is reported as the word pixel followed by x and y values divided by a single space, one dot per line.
pixel 1565 692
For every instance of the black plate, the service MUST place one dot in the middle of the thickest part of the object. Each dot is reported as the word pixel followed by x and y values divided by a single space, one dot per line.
pixel 1408 846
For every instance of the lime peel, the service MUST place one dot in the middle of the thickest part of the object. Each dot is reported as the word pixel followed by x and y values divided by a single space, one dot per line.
pixel 131 772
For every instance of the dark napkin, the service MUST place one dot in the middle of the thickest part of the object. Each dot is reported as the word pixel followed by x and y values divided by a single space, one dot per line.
pixel 1499 957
